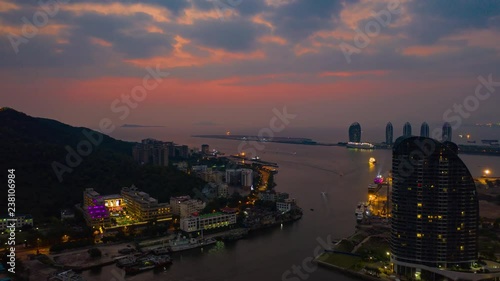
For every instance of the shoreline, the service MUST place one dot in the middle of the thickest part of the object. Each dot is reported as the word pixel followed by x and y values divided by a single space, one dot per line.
pixel 346 271
pixel 463 148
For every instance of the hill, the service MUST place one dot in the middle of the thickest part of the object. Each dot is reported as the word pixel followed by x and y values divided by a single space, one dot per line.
pixel 32 146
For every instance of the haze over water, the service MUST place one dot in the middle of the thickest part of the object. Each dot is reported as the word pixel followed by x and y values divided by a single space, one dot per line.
pixel 304 172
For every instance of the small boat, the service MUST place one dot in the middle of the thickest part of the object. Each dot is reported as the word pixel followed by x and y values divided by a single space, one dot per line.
pixel 161 251
pixel 312 209
pixel 148 263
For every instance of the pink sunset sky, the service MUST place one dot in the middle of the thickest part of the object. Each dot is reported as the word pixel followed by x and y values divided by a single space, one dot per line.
pixel 232 61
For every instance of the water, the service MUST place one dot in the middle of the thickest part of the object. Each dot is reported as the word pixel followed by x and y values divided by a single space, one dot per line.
pixel 304 172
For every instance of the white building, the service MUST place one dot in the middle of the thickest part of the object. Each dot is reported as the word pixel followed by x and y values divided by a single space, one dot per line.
pixel 239 177
pixel 286 205
pixel 20 220
pixel 188 207
pixel 208 221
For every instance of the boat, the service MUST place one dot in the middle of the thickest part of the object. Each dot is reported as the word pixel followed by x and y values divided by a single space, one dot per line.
pixel 183 243
pixel 68 275
pixel 360 145
pixel 372 160
pixel 126 261
pixel 379 179
pixel 490 142
pixel 323 193
pixel 161 251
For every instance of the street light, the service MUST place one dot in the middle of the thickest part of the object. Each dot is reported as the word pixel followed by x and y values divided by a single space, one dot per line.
pixel 487 172
pixel 38 246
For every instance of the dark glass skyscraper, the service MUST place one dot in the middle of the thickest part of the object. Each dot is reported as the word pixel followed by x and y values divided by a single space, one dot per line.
pixel 446 136
pixel 355 132
pixel 389 133
pixel 424 130
pixel 435 211
pixel 407 129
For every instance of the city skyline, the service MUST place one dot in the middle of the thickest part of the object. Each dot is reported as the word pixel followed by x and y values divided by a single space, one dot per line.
pixel 226 63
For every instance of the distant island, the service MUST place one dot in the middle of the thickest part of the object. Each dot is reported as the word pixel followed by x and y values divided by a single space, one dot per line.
pixel 139 126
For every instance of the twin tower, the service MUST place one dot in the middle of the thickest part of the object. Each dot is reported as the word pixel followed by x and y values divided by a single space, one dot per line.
pixel 355 132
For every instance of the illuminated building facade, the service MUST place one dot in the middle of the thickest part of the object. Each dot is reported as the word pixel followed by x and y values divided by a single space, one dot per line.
pixel 208 221
pixel 355 132
pixel 95 212
pixel 143 207
pixel 20 221
pixel 435 212
pixel 113 202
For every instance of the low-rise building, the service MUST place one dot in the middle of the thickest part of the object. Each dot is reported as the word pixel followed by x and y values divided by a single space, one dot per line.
pixel 67 214
pixel 143 207
pixel 209 221
pixel 20 221
pixel 285 205
pixel 271 195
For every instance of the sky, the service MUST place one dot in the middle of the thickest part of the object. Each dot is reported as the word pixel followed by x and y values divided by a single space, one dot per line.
pixel 235 63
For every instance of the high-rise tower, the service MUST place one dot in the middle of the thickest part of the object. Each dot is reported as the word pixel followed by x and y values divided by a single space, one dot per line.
pixel 407 129
pixel 355 132
pixel 389 133
pixel 446 136
pixel 435 211
pixel 424 130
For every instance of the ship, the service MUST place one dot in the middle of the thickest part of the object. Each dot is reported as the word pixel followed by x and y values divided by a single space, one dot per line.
pixel 372 160
pixel 490 142
pixel 183 243
pixel 360 145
